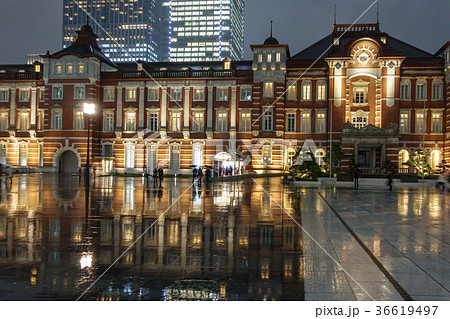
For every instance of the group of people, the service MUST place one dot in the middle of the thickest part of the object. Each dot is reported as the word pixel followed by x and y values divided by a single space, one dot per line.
pixel 228 171
pixel 157 175
pixel 197 175
pixel 356 179
pixel 9 174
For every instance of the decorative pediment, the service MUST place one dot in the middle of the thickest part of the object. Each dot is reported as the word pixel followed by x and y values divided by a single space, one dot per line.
pixel 360 83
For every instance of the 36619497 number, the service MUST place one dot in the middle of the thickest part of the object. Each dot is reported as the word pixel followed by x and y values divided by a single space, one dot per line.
pixel 406 310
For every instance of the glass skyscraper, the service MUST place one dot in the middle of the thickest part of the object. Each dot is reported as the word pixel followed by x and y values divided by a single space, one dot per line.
pixel 132 27
pixel 208 30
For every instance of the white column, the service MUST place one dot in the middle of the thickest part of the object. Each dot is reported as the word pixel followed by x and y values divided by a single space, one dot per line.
pixel 209 112
pixel 141 108
pixel 119 109
pixel 338 79
pixel 233 108
pixel 187 92
pixel 390 86
pixel 33 108
pixel 164 109
pixel 12 110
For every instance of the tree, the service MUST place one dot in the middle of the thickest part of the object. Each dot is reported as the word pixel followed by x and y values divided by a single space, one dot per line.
pixel 419 162
pixel 309 169
pixel 337 155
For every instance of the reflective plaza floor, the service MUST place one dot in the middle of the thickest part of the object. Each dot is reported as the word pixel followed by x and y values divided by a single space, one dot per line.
pixel 245 240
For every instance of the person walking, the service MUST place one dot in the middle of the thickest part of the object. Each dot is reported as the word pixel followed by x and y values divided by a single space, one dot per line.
pixel 194 174
pixel 200 176
pixel 356 178
pixel 390 181
pixel 160 175
pixel 155 176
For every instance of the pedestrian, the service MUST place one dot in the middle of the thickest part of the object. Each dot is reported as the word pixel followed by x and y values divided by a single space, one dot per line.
pixel 390 181
pixel 356 178
pixel 9 174
pixel 208 175
pixel 194 174
pixel 79 173
pixel 160 175
pixel 155 176
pixel 200 176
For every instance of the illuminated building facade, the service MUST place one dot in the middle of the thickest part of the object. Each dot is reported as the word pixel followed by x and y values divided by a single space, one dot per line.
pixel 380 98
pixel 195 31
pixel 133 26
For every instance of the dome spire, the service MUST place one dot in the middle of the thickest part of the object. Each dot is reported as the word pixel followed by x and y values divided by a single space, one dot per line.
pixel 271 23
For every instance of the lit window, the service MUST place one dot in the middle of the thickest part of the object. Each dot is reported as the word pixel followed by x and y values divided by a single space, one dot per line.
pixel 267 155
pixel 321 91
pixel 306 122
pixel 24 121
pixel 197 155
pixel 320 122
pixel 131 94
pixel 404 122
pixel 108 95
pixel 80 68
pixel 403 157
pixel 268 89
pixel 269 57
pixel 57 119
pixel 174 157
pixel 245 121
pixel 175 121
pixel 78 121
pixel 175 94
pixel 4 121
pixel 306 90
pixel 292 92
pixel 290 122
pixel 129 155
pixel 360 96
pixel 260 58
pixel 222 94
pixel 130 121
pixel 222 121
pixel 420 122
pixel 198 122
pixel 267 119
pixel 359 119
pixel 58 69
pixel 436 122
pixel 320 155
pixel 69 69
pixel 23 154
pixel 278 57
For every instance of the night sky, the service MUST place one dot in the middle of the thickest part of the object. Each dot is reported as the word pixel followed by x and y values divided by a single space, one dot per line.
pixel 35 26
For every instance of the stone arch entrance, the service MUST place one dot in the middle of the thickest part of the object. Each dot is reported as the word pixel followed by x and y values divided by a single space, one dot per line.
pixel 68 162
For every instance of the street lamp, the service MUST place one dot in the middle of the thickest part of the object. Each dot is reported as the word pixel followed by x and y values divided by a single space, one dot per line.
pixel 89 108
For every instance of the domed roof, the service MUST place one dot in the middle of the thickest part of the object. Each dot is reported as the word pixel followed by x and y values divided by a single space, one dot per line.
pixel 87 28
pixel 271 40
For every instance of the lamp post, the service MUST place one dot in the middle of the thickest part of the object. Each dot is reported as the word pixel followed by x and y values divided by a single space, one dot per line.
pixel 89 108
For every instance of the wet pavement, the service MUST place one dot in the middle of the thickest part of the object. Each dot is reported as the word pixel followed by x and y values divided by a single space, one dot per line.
pixel 223 241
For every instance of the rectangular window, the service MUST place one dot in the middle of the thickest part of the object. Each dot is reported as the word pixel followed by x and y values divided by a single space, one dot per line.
pixel 153 95
pixel 69 69
pixel 198 122
pixel 79 92
pixel 420 91
pixel 197 155
pixel 131 94
pixel 41 119
pixel 80 68
pixel 404 122
pixel 3 153
pixel 437 91
pixel 23 154
pixel 57 119
pixel 42 94
pixel 108 121
pixel 320 122
pixel 269 57
pixel 199 94
pixel 246 94
pixel 175 121
pixel 152 157
pixel 174 156
pixel 245 121
pixel 436 122
pixel 130 121
pixel 24 121
pixel 4 95
pixel 306 122
pixel 278 56
pixel 420 122
pixel 222 122
pixel 267 119
pixel 404 91
pixel 222 94
pixel 290 122
pixel 321 91
pixel 152 121
pixel 57 93
pixel 267 155
pixel 107 150
pixel 78 121
pixel 260 58
pixel 129 156
pixel 306 91
pixel 292 92
pixel 108 95
pixel 4 121
pixel 268 89
pixel 175 94
pixel 360 96
pixel 58 69
pixel 24 95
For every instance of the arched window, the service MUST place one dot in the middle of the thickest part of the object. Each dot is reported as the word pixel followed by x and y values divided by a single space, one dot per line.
pixel 359 119
pixel 405 89
pixel 435 160
pixel 403 156
pixel 129 155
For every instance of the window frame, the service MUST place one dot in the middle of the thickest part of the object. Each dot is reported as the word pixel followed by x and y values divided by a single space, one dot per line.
pixel 243 121
pixel 55 90
pixel 131 94
pixel 291 117
pixel 57 119
pixel 222 94
pixel 221 121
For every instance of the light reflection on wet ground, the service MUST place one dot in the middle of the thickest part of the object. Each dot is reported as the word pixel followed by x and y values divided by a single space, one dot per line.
pixel 224 241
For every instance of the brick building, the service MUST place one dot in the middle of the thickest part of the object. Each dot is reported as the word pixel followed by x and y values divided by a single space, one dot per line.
pixel 376 96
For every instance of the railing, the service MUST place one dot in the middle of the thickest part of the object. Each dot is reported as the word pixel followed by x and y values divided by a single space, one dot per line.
pixel 19 76
pixel 177 74
pixel 356 27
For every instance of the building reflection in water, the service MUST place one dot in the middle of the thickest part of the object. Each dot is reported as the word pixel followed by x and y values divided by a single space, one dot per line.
pixel 224 241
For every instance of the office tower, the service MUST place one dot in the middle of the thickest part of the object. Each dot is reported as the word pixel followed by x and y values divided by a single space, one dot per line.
pixel 131 28
pixel 202 30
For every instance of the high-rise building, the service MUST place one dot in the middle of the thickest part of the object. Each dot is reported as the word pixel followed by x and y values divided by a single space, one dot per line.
pixel 202 30
pixel 129 29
